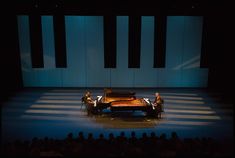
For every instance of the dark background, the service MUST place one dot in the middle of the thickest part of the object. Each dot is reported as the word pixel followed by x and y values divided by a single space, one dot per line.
pixel 218 32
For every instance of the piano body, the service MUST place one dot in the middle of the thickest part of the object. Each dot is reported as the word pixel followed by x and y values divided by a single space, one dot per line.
pixel 123 101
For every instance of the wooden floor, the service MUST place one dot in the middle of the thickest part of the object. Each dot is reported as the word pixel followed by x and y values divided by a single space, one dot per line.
pixel 56 112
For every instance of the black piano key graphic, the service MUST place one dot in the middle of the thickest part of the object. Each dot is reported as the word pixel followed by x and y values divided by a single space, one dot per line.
pixel 204 51
pixel 160 23
pixel 110 35
pixel 134 41
pixel 60 45
pixel 36 40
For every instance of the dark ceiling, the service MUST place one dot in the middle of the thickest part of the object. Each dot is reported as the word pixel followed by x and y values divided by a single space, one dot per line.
pixel 122 7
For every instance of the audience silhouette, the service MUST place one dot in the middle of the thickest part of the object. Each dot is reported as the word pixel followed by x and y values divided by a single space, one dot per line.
pixel 119 146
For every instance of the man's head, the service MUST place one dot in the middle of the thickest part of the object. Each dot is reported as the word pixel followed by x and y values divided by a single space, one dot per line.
pixel 156 94
pixel 88 94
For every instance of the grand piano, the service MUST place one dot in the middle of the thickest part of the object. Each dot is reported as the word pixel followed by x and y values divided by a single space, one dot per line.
pixel 123 101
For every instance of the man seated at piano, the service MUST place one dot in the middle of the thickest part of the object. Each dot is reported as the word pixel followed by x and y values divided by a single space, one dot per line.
pixel 158 102
pixel 87 99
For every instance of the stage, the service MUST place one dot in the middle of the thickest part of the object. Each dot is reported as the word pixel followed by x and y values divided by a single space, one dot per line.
pixel 55 112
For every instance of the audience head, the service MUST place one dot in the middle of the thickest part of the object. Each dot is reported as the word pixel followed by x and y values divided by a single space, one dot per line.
pixel 144 135
pixel 101 136
pixel 111 135
pixel 80 134
pixel 133 134
pixel 153 134
pixel 174 135
pixel 90 135
pixel 70 135
pixel 122 134
pixel 163 136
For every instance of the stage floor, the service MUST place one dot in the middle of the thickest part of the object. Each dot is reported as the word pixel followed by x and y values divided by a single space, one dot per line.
pixel 54 112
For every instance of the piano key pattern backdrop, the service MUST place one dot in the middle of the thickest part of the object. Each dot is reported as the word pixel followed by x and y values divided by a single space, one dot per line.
pixel 84 60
